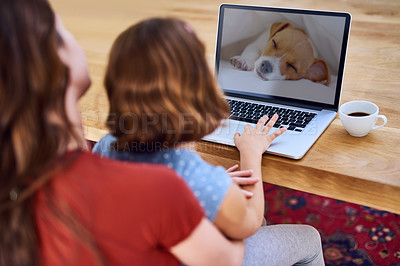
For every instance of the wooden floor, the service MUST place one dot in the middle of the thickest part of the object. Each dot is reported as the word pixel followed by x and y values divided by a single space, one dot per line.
pixel 364 171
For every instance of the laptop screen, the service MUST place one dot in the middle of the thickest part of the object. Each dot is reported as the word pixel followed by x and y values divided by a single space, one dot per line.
pixel 282 55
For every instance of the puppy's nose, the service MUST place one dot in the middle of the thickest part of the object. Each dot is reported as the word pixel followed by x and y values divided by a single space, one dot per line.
pixel 266 67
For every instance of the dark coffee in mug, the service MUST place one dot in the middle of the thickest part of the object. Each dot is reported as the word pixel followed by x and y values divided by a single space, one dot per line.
pixel 360 117
pixel 358 114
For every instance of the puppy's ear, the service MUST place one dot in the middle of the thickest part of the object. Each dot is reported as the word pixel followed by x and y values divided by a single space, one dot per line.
pixel 318 72
pixel 277 27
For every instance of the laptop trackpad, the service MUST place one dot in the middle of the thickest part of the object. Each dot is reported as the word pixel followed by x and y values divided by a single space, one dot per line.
pixel 224 133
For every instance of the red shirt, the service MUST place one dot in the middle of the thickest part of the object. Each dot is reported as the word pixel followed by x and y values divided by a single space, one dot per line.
pixel 135 213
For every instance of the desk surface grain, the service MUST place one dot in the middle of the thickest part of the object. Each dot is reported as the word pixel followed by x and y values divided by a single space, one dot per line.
pixel 360 170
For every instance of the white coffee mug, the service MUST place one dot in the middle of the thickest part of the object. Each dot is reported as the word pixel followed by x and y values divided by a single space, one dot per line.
pixel 359 117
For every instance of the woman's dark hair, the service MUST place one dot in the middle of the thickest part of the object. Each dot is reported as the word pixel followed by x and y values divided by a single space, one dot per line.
pixel 159 85
pixel 34 127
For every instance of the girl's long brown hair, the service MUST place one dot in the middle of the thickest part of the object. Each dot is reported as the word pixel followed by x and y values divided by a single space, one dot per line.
pixel 33 82
pixel 160 87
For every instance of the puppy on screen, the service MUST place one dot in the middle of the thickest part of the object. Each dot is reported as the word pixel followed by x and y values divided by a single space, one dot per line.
pixel 282 53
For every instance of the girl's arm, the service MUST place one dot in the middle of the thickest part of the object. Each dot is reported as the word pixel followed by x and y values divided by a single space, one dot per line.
pixel 207 246
pixel 252 144
pixel 239 217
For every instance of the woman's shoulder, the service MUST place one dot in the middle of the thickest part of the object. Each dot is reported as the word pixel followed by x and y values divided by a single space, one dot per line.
pixel 126 202
pixel 104 173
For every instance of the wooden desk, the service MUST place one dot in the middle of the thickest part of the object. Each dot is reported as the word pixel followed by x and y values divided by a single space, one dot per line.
pixel 360 170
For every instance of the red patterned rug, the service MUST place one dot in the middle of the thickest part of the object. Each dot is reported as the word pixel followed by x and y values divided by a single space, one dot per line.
pixel 351 234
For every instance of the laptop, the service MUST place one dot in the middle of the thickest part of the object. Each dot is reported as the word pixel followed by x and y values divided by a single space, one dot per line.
pixel 260 75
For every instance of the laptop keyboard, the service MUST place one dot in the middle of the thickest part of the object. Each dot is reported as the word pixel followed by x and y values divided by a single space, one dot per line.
pixel 294 120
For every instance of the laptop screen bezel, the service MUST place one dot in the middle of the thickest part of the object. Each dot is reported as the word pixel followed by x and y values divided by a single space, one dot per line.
pixel 285 100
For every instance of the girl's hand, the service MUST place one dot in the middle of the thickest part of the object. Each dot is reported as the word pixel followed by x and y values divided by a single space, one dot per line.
pixel 254 141
pixel 242 178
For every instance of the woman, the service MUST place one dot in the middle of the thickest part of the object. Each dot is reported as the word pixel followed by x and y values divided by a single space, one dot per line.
pixel 61 205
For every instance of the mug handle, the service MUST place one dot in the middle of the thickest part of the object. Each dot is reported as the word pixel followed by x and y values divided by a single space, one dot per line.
pixel 384 122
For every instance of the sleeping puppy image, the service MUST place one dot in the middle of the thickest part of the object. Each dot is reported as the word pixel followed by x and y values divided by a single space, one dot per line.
pixel 282 53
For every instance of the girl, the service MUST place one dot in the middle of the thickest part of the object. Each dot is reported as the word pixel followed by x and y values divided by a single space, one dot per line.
pixel 163 98
pixel 59 205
